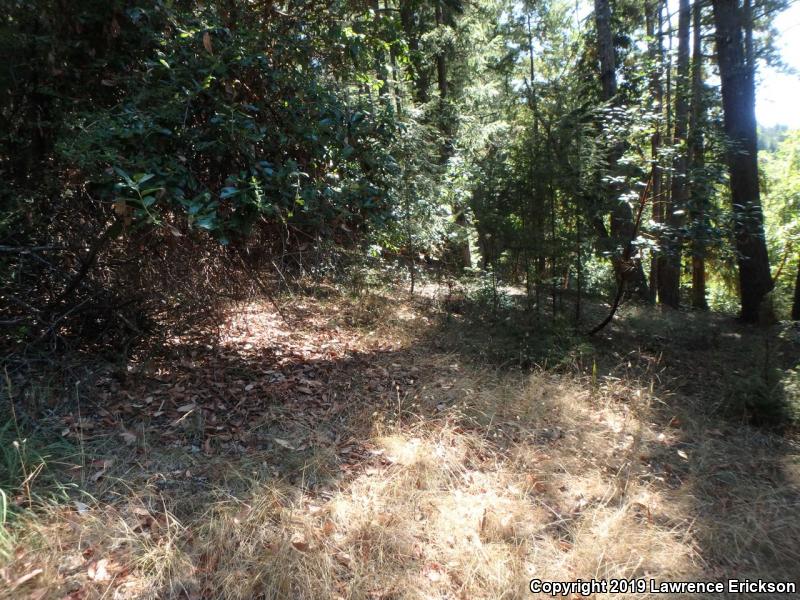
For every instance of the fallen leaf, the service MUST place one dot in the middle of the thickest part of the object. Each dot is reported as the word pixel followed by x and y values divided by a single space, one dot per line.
pixel 27 577
pixel 207 43
pixel 343 558
pixel 434 572
pixel 283 443
pixel 128 437
pixel 328 527
pixel 98 571
pixel 300 543
pixel 186 407
pixel 106 465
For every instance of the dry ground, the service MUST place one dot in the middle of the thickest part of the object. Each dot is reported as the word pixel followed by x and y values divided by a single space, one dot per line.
pixel 378 448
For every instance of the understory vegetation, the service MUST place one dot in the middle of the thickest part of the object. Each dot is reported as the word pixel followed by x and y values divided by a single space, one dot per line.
pixel 394 298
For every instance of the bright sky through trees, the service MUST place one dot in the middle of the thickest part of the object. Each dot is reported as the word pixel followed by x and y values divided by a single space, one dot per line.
pixel 778 92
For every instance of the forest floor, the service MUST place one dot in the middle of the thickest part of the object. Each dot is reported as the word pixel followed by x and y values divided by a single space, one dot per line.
pixel 377 447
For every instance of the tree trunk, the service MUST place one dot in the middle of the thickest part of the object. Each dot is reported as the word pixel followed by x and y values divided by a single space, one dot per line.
pixel 698 187
pixel 656 55
pixel 666 183
pixel 536 205
pixel 462 252
pixel 397 90
pixel 605 48
pixel 380 57
pixel 669 281
pixel 419 70
pixel 738 103
pixel 628 271
pixel 441 59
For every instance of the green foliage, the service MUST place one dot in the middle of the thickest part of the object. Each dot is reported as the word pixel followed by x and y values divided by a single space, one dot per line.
pixel 486 294
pixel 781 183
pixel 758 402
pixel 410 131
pixel 225 132
pixel 790 384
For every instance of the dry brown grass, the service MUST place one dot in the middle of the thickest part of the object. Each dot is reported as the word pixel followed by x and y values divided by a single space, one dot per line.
pixel 466 482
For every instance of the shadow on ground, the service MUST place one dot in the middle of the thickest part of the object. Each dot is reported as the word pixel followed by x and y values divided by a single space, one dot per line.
pixel 378 448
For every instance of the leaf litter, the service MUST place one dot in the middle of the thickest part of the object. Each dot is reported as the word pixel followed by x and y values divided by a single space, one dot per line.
pixel 362 438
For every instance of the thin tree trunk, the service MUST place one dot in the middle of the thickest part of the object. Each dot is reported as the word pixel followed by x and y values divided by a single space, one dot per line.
pixel 441 59
pixel 397 83
pixel 738 102
pixel 698 188
pixel 463 254
pixel 535 208
pixel 578 265
pixel 533 99
pixel 670 277
pixel 627 268
pixel 553 287
pixel 418 69
pixel 656 54
pixel 666 184
pixel 380 58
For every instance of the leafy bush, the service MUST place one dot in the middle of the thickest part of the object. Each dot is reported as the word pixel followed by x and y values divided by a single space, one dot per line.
pixel 221 127
pixel 138 137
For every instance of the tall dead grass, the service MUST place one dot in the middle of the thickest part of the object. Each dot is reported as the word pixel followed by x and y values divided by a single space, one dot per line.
pixel 478 481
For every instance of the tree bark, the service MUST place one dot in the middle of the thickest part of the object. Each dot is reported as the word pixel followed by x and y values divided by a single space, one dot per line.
pixel 441 59
pixel 738 103
pixel 698 188
pixel 397 86
pixel 656 55
pixel 605 48
pixel 419 71
pixel 536 209
pixel 669 281
pixel 380 58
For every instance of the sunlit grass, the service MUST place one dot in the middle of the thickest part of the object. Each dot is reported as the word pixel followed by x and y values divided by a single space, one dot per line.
pixel 465 484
